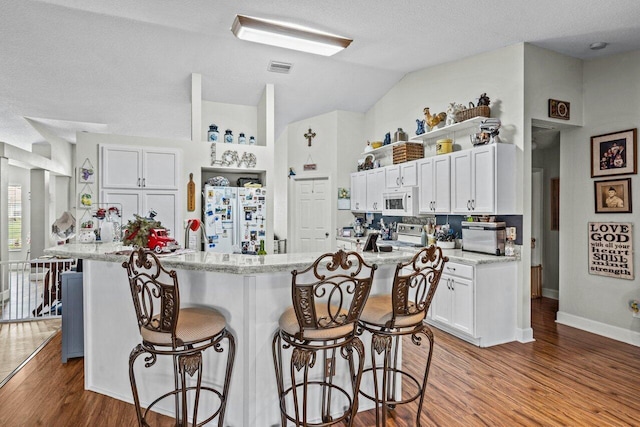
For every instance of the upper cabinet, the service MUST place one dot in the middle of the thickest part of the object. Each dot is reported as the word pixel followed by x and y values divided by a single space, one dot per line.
pixel 402 175
pixel 482 180
pixel 375 184
pixel 435 184
pixel 359 191
pixel 128 167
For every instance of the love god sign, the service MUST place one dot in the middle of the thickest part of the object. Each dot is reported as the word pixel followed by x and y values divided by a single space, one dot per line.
pixel 611 249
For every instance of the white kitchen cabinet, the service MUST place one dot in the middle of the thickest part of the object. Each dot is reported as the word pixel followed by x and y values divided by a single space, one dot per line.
pixel 434 176
pixel 453 300
pixel 375 185
pixel 482 180
pixel 164 203
pixel 402 175
pixel 126 167
pixel 359 191
pixel 477 303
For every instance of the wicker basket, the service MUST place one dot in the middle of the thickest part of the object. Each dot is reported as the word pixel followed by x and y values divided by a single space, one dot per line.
pixel 470 113
pixel 407 152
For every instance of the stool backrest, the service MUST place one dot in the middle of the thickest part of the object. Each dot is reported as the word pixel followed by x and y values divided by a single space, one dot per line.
pixel 155 293
pixel 332 291
pixel 415 282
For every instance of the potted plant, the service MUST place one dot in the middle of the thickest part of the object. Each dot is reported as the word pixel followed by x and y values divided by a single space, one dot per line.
pixel 136 232
pixel 445 238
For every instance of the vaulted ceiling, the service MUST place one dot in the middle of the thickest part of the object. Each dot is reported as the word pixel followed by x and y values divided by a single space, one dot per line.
pixel 124 67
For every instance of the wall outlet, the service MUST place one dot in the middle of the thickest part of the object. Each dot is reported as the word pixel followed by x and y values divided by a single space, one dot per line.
pixel 511 233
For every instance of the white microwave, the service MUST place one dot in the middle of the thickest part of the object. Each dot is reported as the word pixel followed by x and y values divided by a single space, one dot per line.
pixel 400 202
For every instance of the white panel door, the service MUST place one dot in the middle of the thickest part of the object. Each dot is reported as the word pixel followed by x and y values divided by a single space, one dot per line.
pixel 441 305
pixel 441 184
pixel 160 168
pixel 483 182
pixel 409 174
pixel 461 182
pixel 120 167
pixel 165 204
pixel 375 187
pixel 359 191
pixel 313 219
pixel 426 187
pixel 462 314
pixel 131 201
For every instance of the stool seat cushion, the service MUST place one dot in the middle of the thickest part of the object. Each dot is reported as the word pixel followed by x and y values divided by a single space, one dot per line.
pixel 289 323
pixel 195 324
pixel 378 311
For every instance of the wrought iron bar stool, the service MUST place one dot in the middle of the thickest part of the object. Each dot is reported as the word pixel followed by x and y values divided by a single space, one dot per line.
pixel 390 317
pixel 182 333
pixel 328 297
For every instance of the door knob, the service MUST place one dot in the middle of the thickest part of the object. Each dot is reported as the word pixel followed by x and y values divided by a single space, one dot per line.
pixel 326 234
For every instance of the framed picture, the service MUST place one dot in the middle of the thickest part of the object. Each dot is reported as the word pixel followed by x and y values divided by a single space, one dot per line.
pixel 559 109
pixel 613 196
pixel 614 153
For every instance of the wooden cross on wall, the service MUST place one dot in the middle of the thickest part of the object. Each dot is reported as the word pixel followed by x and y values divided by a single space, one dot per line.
pixel 310 135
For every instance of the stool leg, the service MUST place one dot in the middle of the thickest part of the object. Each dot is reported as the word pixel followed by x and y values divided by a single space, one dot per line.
pixel 277 363
pixel 227 379
pixel 356 376
pixel 189 364
pixel 301 358
pixel 417 341
pixel 137 351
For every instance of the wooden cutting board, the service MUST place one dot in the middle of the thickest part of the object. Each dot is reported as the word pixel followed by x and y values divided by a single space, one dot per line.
pixel 191 194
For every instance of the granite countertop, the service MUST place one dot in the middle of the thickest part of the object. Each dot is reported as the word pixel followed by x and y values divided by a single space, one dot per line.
pixel 251 264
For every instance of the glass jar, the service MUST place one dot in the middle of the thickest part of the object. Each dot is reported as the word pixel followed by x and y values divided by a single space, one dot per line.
pixel 262 251
pixel 242 139
pixel 212 134
pixel 228 136
pixel 252 140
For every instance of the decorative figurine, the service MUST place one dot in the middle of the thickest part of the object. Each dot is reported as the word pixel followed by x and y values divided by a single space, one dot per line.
pixel 420 129
pixel 483 100
pixel 387 138
pixel 452 109
pixel 433 120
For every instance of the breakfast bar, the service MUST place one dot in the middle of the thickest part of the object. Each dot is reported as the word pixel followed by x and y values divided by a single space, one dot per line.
pixel 251 292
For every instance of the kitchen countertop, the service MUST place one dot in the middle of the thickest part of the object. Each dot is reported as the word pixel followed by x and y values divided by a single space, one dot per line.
pixel 455 255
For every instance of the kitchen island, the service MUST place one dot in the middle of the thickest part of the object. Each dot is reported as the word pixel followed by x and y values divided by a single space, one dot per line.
pixel 251 291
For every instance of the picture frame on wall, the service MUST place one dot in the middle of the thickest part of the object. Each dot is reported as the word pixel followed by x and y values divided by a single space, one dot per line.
pixel 613 196
pixel 614 153
pixel 559 109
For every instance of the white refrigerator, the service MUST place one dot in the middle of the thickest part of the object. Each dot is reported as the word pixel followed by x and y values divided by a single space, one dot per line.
pixel 234 219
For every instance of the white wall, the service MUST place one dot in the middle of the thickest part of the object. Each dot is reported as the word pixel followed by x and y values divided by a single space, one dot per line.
pixel 611 103
pixel 20 176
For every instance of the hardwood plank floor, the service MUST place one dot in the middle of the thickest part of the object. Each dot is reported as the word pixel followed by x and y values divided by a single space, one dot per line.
pixel 567 377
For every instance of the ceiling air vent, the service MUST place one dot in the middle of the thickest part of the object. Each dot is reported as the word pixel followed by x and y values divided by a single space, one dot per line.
pixel 279 67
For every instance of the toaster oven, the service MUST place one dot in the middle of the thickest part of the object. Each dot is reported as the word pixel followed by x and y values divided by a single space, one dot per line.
pixel 485 237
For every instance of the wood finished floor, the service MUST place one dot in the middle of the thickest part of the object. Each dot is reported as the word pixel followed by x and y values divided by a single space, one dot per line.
pixel 567 377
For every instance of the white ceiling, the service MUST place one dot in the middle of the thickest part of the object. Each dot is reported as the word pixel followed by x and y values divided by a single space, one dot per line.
pixel 124 67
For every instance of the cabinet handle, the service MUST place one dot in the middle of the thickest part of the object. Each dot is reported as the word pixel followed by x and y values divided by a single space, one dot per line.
pixel 398 181
pixel 433 204
pixel 453 288
pixel 144 182
pixel 402 180
pixel 473 204
pixel 451 268
pixel 138 182
pixel 468 205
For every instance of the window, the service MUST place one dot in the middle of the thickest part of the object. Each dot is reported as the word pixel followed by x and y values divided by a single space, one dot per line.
pixel 15 217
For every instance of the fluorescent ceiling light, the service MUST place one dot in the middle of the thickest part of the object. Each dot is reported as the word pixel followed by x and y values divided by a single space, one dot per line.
pixel 289 36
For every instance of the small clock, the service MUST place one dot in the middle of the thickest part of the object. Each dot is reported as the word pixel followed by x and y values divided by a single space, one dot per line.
pixel 559 109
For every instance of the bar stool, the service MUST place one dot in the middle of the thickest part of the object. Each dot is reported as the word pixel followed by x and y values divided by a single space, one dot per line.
pixel 183 333
pixel 389 317
pixel 328 297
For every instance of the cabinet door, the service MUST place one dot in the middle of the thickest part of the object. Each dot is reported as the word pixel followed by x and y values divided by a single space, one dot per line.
pixel 409 174
pixel 441 194
pixel 130 200
pixel 483 182
pixel 161 169
pixel 375 186
pixel 392 177
pixel 121 167
pixel 425 189
pixel 165 204
pixel 441 306
pixel 462 313
pixel 461 182
pixel 358 191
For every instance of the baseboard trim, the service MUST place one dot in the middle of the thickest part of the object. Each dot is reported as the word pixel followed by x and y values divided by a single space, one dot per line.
pixel 599 328
pixel 551 293
pixel 524 335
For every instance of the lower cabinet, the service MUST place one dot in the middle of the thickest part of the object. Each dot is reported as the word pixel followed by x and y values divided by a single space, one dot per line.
pixel 72 315
pixel 477 303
